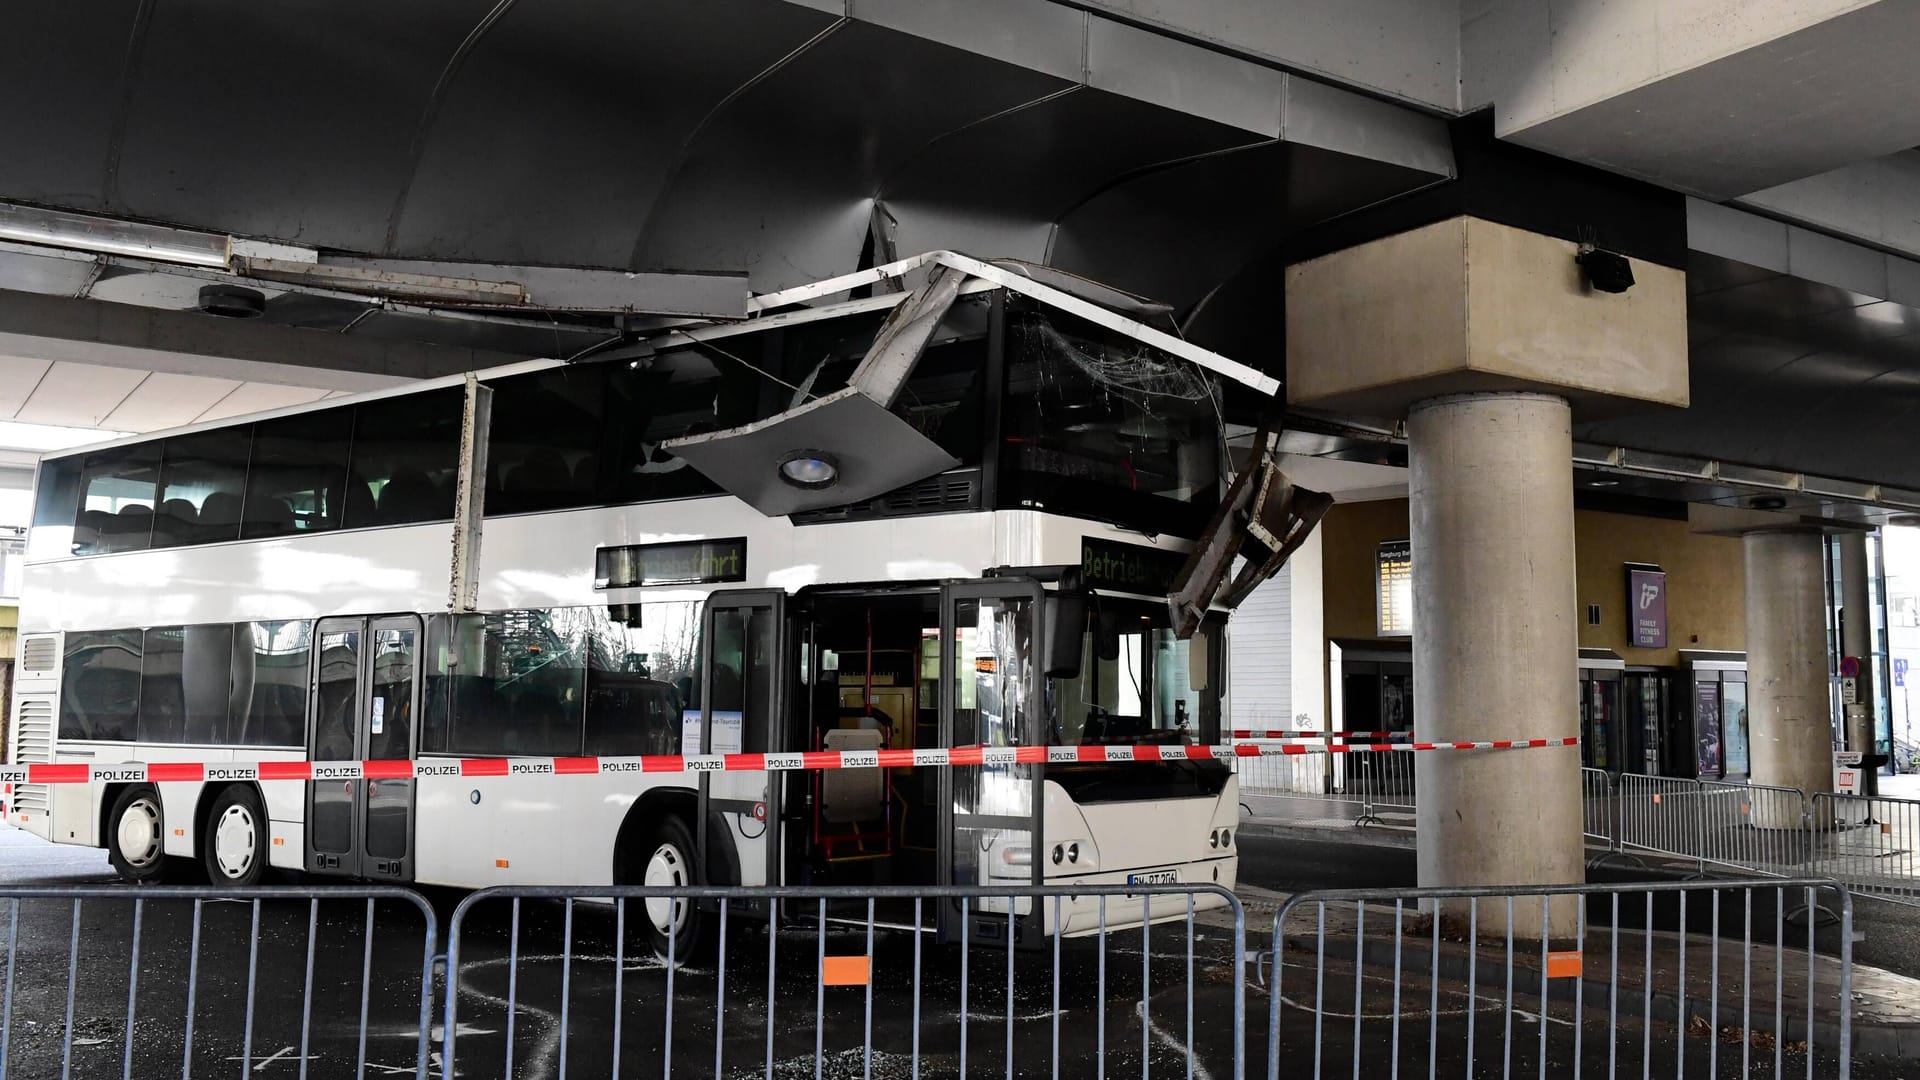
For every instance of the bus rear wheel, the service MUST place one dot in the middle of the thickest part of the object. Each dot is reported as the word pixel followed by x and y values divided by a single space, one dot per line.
pixel 670 922
pixel 235 845
pixel 136 831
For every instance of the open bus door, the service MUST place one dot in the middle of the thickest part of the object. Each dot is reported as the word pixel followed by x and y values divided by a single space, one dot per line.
pixel 991 674
pixel 366 694
pixel 741 694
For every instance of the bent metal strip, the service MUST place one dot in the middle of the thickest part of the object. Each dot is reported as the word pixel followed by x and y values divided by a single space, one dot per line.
pixel 163 772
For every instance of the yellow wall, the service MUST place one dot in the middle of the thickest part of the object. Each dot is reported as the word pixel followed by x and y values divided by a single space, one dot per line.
pixel 1705 583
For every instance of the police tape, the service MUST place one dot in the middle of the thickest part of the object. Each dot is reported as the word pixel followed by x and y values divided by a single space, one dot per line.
pixel 169 772
pixel 1310 733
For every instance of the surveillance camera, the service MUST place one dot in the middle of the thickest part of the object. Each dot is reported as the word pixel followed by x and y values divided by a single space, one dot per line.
pixel 1607 271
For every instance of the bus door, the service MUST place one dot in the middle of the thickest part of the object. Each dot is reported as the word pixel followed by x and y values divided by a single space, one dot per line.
pixel 990 696
pixel 366 693
pixel 741 694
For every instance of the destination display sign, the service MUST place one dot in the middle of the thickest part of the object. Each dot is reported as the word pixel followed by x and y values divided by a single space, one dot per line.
pixel 1134 568
pixel 696 562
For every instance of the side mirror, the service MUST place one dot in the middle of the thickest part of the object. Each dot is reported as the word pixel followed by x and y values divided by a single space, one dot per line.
pixel 1106 636
pixel 1066 626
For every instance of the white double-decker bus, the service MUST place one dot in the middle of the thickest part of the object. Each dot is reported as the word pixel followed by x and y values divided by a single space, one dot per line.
pixel 604 558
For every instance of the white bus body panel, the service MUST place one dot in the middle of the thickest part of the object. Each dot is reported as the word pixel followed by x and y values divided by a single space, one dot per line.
pixel 1158 836
pixel 354 572
pixel 557 830
pixel 34 726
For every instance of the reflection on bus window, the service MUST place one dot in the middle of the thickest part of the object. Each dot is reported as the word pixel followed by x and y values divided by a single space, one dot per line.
pixel 184 684
pixel 201 479
pixel 560 681
pixel 269 696
pixel 1102 426
pixel 100 685
pixel 116 499
pixel 993 672
pixel 1136 683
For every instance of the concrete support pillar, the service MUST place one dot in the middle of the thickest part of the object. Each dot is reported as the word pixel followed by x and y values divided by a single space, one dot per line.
pixel 1495 645
pixel 1789 709
pixel 1856 637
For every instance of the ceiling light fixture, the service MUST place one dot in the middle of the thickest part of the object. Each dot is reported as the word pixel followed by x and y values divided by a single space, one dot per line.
pixel 810 470
pixel 112 236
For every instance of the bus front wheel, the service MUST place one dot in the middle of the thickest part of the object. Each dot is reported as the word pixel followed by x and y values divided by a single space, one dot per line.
pixel 235 846
pixel 136 832
pixel 671 922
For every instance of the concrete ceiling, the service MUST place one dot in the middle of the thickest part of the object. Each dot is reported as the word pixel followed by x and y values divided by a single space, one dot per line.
pixel 66 394
pixel 751 136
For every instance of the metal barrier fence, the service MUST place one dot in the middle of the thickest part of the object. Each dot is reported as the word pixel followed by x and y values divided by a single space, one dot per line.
pixel 1306 776
pixel 1360 785
pixel 1600 823
pixel 106 981
pixel 1868 844
pixel 1585 979
pixel 1873 845
pixel 543 982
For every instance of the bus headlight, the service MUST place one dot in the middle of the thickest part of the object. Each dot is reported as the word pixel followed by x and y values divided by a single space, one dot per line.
pixel 1017 855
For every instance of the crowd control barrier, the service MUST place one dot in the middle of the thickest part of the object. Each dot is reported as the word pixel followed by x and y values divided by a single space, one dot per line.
pixel 544 982
pixel 122 981
pixel 1671 979
pixel 1676 979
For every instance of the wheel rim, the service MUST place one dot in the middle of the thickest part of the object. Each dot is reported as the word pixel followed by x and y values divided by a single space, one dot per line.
pixel 235 837
pixel 139 833
pixel 667 869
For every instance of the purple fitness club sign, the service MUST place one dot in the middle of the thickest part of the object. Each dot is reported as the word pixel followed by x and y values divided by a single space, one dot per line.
pixel 1646 606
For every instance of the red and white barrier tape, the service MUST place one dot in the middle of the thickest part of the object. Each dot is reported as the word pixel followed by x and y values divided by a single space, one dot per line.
pixel 162 772
pixel 1309 733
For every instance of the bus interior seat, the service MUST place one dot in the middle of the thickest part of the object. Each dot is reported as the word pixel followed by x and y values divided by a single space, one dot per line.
pixel 359 504
pixel 220 515
pixel 409 496
pixel 852 795
pixel 543 473
pixel 585 474
pixel 268 516
pixel 131 528
pixel 176 522
pixel 88 529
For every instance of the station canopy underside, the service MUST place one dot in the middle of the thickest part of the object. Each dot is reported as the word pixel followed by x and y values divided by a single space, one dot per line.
pixel 716 148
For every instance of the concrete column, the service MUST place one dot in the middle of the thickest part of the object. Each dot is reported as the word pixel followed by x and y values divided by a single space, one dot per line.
pixel 1789 710
pixel 1856 636
pixel 1307 666
pixel 1494 645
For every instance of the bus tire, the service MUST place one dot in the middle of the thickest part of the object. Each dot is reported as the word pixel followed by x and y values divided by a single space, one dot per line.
pixel 234 848
pixel 136 836
pixel 667 859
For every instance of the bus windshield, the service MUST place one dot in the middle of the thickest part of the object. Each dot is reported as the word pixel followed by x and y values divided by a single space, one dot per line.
pixel 1137 683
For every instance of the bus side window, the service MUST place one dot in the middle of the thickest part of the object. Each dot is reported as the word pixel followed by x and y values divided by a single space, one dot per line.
pixel 100 685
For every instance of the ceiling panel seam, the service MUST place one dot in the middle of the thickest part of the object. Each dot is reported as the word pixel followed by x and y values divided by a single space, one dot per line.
pixel 686 145
pixel 124 398
pixel 129 67
pixel 197 417
pixel 430 114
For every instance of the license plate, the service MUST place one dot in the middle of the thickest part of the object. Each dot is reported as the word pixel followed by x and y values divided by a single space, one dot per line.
pixel 1155 877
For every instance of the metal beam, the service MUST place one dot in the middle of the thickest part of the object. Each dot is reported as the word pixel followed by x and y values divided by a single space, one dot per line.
pixel 189 343
pixel 1026 286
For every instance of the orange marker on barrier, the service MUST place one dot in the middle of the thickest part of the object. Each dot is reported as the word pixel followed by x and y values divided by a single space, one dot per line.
pixel 1563 965
pixel 846 971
